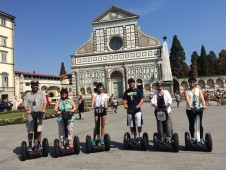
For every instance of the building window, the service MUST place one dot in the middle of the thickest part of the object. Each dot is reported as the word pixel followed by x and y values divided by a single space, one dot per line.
pixel 2 21
pixel 3 57
pixel 3 41
pixel 4 80
pixel 115 43
pixel 27 84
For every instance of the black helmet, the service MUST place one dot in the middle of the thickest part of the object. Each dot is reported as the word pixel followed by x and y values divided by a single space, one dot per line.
pixel 159 82
pixel 192 78
pixel 34 82
pixel 63 90
pixel 99 85
pixel 131 80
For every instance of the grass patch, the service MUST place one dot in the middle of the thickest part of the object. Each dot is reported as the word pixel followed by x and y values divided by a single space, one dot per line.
pixel 15 114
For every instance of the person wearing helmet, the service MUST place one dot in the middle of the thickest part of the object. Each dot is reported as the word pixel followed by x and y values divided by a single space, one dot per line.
pixel 99 100
pixel 65 104
pixel 34 101
pixel 162 99
pixel 194 99
pixel 133 98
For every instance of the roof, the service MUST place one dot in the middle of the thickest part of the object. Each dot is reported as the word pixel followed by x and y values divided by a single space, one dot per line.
pixel 7 15
pixel 43 75
pixel 117 10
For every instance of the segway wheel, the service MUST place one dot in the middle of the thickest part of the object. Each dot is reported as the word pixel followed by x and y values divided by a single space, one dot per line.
pixel 126 140
pixel 155 140
pixel 23 151
pixel 208 142
pixel 88 144
pixel 175 142
pixel 107 142
pixel 76 144
pixel 145 141
pixel 56 148
pixel 187 141
pixel 45 145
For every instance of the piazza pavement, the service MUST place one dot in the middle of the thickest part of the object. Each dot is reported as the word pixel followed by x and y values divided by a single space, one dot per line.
pixel 214 121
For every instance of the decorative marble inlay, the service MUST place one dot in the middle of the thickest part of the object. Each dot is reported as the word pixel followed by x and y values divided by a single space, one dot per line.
pixel 143 41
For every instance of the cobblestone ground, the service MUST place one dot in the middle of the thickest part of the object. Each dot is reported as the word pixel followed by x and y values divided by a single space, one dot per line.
pixel 118 158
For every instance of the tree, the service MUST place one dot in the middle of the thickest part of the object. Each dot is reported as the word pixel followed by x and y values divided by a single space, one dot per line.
pixel 221 63
pixel 177 59
pixel 212 63
pixel 203 63
pixel 194 64
pixel 62 69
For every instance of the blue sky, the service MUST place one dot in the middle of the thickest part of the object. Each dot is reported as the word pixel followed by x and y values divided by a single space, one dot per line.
pixel 47 32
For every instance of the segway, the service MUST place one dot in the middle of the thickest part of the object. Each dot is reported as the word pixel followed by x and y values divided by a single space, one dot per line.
pixel 171 143
pixel 135 143
pixel 37 116
pixel 197 144
pixel 58 151
pixel 98 147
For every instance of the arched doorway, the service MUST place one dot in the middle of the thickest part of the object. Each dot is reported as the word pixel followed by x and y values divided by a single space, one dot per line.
pixel 117 84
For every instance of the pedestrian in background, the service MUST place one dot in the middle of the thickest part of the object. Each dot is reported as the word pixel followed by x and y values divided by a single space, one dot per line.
pixel 81 107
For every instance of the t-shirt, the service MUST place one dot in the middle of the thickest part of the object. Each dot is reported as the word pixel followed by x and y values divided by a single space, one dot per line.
pixel 133 97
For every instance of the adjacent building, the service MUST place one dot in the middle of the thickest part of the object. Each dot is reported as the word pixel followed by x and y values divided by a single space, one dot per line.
pixel 48 84
pixel 7 84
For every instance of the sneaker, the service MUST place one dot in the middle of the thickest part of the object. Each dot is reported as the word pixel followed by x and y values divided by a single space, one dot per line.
pixel 161 140
pixel 93 142
pixel 131 141
pixel 102 141
pixel 202 141
pixel 39 147
pixel 29 148
pixel 139 140
pixel 192 140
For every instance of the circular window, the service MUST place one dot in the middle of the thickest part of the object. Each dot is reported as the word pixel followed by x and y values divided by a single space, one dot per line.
pixel 115 43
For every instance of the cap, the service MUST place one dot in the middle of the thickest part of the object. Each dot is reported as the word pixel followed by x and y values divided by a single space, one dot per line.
pixel 131 80
pixel 159 82
pixel 34 82
pixel 192 78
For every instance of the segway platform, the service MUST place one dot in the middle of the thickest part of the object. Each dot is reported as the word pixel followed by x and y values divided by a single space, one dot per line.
pixel 134 143
pixel 58 151
pixel 172 144
pixel 98 147
pixel 25 154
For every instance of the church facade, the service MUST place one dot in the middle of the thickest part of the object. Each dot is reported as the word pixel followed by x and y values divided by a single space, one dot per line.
pixel 119 50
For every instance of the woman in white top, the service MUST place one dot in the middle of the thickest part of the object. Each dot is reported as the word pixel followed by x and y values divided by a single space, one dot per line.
pixel 162 99
pixel 99 100
pixel 195 99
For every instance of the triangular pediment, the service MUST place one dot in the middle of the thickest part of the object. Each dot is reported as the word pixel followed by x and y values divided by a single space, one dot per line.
pixel 114 13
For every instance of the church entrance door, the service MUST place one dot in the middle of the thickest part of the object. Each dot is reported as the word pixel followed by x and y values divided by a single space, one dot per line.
pixel 117 84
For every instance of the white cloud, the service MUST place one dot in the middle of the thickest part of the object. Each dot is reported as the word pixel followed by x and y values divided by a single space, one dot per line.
pixel 148 8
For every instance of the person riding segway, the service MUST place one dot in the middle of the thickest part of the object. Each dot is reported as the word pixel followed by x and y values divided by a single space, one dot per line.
pixel 165 138
pixel 35 105
pixel 65 108
pixel 194 109
pixel 132 100
pixel 99 104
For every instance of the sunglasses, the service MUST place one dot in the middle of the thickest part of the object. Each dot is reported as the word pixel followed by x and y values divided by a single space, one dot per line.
pixel 159 85
pixel 191 81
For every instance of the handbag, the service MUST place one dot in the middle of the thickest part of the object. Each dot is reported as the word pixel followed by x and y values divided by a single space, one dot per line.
pixel 66 115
